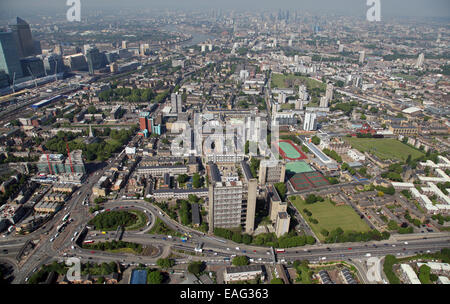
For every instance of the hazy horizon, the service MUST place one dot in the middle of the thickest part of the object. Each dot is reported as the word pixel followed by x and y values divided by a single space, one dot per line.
pixel 357 8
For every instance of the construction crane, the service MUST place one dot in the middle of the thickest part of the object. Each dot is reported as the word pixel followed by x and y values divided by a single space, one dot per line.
pixel 34 78
pixel 49 166
pixel 68 153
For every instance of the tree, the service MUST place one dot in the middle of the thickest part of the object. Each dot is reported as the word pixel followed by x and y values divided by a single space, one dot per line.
pixel 315 140
pixel 392 225
pixel 165 263
pixel 155 277
pixel 197 181
pixel 240 261
pixel 196 267
pixel 276 281
pixel 182 178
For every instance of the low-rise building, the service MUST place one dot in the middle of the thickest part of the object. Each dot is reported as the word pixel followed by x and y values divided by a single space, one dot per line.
pixel 243 273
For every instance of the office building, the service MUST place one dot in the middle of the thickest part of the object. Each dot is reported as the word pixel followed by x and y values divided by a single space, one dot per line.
pixel 95 59
pixel 362 56
pixel 144 121
pixel 23 38
pixel 271 171
pixel 276 205
pixel 53 64
pixel 76 62
pixel 9 58
pixel 310 123
pixel 329 92
pixel 32 66
pixel 243 273
pixel 225 205
pixel 250 202
pixel 282 223
pixel 177 103
pixel 420 61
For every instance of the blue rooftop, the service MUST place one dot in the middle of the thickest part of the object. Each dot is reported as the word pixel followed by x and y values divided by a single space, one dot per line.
pixel 139 277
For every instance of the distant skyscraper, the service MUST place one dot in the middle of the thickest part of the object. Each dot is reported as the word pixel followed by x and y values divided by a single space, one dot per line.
pixel 323 102
pixel 329 92
pixel 310 123
pixel 420 61
pixel 37 47
pixel 58 50
pixel 32 66
pixel 302 93
pixel 177 103
pixel 23 38
pixel 362 56
pixel 95 59
pixel 9 57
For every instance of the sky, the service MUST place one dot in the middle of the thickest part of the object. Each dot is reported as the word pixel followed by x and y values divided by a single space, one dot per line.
pixel 391 8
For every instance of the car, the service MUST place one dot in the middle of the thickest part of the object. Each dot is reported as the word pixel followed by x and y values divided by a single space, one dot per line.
pixel 349 248
pixel 228 248
pixel 26 279
pixel 406 243
pixel 260 259
pixel 72 247
pixel 268 253
pixel 72 239
pixel 393 245
pixel 254 251
pixel 386 244
pixel 243 251
pixel 404 248
pixel 92 251
pixel 237 248
pixel 328 248
pixel 5 251
pixel 52 239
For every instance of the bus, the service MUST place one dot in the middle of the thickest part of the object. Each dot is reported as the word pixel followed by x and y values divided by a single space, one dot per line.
pixel 66 217
pixel 60 227
pixel 280 251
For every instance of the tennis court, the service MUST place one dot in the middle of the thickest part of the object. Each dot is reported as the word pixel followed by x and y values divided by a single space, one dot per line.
pixel 290 151
pixel 308 180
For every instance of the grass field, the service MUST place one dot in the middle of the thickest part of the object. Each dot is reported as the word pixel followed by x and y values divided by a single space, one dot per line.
pixel 384 148
pixel 282 81
pixel 330 217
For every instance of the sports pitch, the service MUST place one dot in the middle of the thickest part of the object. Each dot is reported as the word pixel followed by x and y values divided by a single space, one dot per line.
pixel 384 148
pixel 289 151
pixel 330 217
pixel 298 167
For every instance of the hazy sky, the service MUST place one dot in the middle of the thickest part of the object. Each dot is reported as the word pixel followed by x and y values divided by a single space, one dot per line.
pixel 430 8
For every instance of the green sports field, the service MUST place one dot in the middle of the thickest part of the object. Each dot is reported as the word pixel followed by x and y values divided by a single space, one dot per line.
pixel 289 150
pixel 298 167
pixel 282 81
pixel 330 217
pixel 384 148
